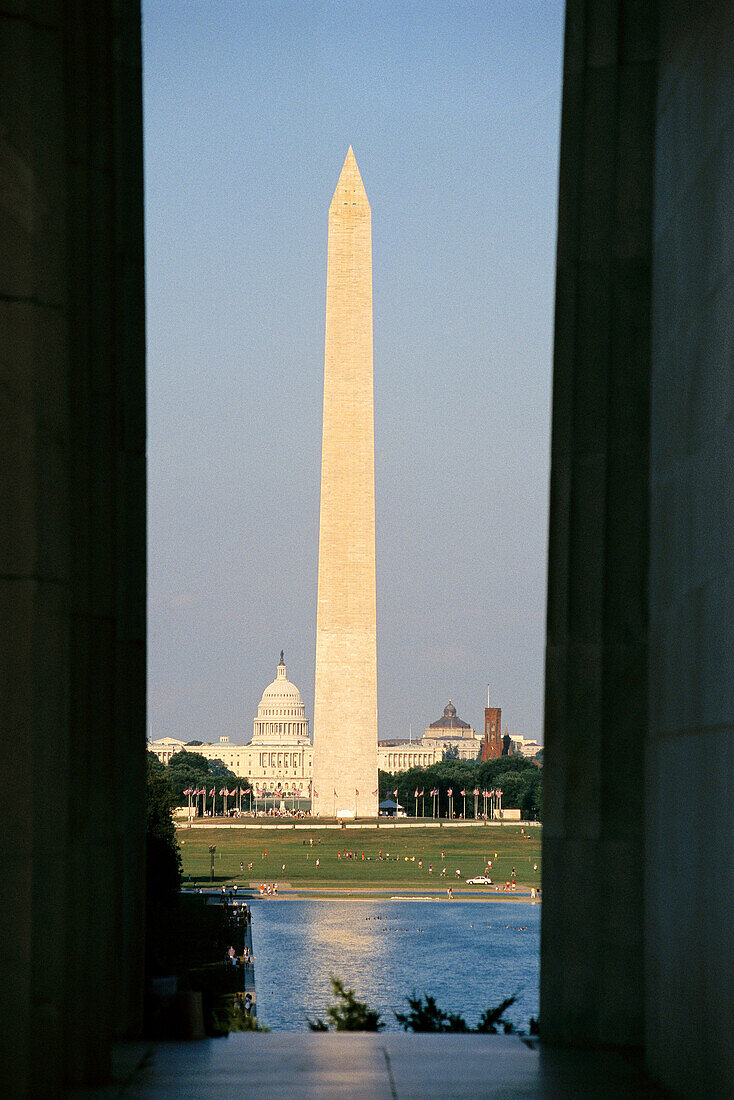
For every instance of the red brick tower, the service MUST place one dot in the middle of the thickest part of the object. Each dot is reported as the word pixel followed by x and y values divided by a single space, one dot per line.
pixel 492 743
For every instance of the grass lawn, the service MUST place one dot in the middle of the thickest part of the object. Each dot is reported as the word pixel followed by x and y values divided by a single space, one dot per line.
pixel 466 849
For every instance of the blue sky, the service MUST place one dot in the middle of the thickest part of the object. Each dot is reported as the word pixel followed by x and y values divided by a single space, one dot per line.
pixel 453 110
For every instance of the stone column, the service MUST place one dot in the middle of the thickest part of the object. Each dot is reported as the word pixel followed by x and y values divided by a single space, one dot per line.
pixel 689 929
pixel 596 662
pixel 72 553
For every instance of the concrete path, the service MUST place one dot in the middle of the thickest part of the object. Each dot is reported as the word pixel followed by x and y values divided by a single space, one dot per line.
pixel 348 1066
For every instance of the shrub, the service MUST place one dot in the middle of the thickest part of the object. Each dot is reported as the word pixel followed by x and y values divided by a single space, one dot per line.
pixel 348 1014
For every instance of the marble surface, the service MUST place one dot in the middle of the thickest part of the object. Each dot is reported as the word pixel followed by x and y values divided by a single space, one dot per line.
pixel 373 1067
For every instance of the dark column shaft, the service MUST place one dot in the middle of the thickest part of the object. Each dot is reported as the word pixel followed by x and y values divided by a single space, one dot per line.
pixel 689 926
pixel 596 671
pixel 72 556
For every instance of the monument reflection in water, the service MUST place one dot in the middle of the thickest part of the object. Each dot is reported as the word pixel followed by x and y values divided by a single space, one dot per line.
pixel 469 955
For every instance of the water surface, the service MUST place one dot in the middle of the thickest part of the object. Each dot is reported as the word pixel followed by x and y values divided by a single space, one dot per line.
pixel 469 955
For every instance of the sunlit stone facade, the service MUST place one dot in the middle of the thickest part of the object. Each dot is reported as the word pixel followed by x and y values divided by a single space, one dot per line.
pixel 345 698
pixel 280 754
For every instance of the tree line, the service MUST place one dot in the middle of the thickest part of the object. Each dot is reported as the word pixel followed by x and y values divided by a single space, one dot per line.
pixel 191 771
pixel 166 786
pixel 519 779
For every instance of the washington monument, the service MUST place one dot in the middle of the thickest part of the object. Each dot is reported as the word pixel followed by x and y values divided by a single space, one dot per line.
pixel 345 704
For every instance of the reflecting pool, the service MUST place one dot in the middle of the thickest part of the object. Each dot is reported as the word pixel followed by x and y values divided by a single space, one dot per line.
pixel 469 955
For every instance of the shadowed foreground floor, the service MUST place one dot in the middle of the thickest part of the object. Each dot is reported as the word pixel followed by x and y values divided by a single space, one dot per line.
pixel 373 1067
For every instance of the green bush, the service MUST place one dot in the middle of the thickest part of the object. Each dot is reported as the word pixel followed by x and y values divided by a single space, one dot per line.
pixel 348 1014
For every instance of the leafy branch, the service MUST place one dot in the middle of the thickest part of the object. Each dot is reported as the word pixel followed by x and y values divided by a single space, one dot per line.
pixel 348 1014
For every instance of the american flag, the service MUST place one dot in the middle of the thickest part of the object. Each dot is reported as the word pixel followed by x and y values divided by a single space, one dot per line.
pixel 356 791
pixel 476 790
pixel 315 793
pixel 464 793
pixel 450 791
pixel 189 790
pixel 395 793
pixel 211 793
pixel 336 794
pixel 498 793
pixel 376 792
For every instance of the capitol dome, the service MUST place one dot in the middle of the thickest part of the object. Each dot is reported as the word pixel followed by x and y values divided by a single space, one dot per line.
pixel 281 692
pixel 281 714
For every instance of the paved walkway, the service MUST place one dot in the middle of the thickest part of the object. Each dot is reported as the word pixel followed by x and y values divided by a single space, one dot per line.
pixel 394 1066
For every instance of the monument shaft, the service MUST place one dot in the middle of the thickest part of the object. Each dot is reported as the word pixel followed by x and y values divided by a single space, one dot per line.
pixel 345 704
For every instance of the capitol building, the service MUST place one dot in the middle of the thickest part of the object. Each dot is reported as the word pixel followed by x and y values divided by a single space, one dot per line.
pixel 280 754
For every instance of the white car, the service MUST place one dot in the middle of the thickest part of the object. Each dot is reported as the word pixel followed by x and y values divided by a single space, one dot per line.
pixel 479 880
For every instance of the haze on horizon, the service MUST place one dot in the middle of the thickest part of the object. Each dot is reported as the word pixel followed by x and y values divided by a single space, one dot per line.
pixel 453 112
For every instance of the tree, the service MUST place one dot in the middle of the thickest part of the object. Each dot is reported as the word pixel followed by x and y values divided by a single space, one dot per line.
pixel 163 858
pixel 518 777
pixel 185 770
pixel 192 770
pixel 425 1015
pixel 490 1020
pixel 348 1014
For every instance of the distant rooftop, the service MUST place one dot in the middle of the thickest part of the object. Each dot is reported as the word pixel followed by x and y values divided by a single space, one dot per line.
pixel 449 720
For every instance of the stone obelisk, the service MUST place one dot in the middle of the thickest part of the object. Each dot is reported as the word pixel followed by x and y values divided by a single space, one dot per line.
pixel 345 704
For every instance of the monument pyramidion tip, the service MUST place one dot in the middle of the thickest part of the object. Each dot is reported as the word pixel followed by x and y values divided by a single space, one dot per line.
pixel 350 189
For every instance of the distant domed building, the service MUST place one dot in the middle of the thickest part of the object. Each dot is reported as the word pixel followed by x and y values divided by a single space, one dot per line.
pixel 281 714
pixel 279 757
pixel 280 754
pixel 448 730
